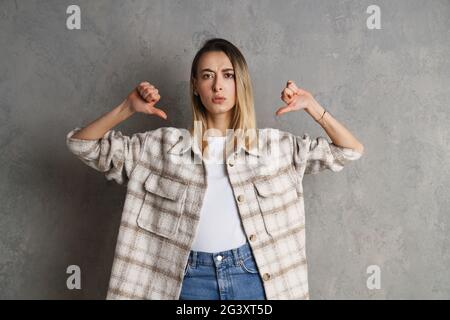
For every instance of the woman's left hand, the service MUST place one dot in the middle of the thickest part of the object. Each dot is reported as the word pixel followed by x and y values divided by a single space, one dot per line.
pixel 295 98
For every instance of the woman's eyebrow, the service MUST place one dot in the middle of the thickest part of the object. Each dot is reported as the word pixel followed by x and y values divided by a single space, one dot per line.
pixel 224 70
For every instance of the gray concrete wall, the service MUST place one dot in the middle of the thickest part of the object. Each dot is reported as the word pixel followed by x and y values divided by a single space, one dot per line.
pixel 390 87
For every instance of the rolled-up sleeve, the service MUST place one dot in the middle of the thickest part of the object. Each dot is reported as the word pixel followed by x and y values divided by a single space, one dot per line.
pixel 114 154
pixel 318 154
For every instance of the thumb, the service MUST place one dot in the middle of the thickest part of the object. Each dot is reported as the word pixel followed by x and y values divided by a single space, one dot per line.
pixel 284 109
pixel 158 112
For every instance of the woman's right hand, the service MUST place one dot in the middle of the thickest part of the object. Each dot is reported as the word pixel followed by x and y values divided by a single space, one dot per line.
pixel 143 99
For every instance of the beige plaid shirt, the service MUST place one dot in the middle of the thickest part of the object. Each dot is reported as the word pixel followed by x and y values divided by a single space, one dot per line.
pixel 166 183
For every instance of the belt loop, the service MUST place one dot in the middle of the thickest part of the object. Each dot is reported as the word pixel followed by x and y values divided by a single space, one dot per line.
pixel 244 249
pixel 236 256
pixel 194 259
pixel 240 251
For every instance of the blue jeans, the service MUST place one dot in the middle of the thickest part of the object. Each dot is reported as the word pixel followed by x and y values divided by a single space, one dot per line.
pixel 225 275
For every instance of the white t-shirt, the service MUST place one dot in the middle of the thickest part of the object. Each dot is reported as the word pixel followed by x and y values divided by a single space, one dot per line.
pixel 220 226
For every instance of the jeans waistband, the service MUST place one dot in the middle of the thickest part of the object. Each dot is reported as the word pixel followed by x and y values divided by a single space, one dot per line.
pixel 231 257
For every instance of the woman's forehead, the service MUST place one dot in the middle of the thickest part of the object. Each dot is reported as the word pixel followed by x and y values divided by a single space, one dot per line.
pixel 215 61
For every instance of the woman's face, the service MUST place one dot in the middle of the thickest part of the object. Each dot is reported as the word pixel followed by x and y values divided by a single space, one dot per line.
pixel 215 77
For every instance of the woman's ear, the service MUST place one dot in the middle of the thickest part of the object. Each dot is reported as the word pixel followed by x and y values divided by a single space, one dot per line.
pixel 195 85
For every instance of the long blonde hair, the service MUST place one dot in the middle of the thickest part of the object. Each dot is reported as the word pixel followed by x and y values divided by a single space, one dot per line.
pixel 243 117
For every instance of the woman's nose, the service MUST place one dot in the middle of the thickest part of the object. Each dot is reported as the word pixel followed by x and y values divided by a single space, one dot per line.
pixel 217 85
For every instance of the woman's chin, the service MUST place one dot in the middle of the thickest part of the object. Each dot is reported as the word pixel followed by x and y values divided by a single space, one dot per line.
pixel 219 109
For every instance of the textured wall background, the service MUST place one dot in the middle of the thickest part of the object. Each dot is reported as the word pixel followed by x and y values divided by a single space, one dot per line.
pixel 389 87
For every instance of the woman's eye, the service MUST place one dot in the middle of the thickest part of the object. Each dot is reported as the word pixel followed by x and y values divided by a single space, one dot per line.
pixel 229 75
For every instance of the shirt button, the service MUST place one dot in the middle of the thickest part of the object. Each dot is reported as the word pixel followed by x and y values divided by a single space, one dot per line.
pixel 252 237
pixel 266 276
pixel 231 163
pixel 241 198
pixel 219 258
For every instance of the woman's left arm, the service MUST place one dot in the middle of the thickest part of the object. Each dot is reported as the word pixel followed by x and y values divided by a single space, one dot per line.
pixel 297 99
pixel 335 130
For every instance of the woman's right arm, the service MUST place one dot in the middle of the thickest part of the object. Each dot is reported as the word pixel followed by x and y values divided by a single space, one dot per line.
pixel 98 128
pixel 107 150
pixel 141 99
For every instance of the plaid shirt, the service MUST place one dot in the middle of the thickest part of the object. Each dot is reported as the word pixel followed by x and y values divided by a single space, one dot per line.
pixel 166 184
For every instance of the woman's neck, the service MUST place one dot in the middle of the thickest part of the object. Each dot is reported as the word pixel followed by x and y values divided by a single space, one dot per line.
pixel 220 122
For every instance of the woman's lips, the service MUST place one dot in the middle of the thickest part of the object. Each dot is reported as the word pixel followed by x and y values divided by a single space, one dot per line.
pixel 218 100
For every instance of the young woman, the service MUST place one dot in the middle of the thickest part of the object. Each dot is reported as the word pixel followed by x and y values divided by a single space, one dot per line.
pixel 210 213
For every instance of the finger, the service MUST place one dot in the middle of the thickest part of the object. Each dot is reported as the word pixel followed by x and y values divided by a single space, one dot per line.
pixel 142 88
pixel 301 91
pixel 152 95
pixel 145 88
pixel 289 93
pixel 280 111
pixel 152 90
pixel 158 112
pixel 291 83
pixel 145 94
pixel 147 97
pixel 286 99
pixel 292 86
pixel 154 98
pixel 146 85
pixel 142 91
pixel 284 109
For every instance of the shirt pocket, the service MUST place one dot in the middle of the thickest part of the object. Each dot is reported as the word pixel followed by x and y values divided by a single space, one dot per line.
pixel 163 205
pixel 279 201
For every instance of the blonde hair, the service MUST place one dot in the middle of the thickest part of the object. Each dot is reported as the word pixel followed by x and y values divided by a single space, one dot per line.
pixel 243 119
